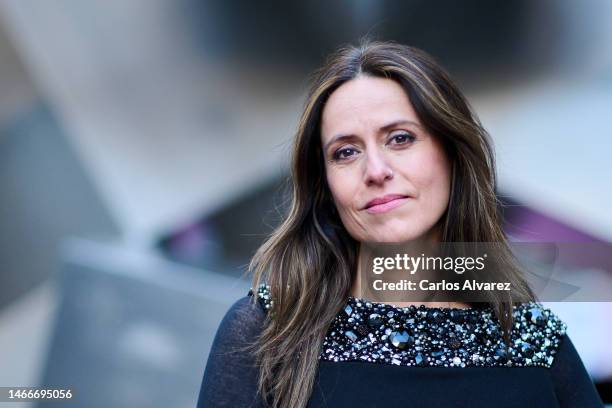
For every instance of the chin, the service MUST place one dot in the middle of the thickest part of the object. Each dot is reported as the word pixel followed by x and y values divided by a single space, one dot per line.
pixel 387 235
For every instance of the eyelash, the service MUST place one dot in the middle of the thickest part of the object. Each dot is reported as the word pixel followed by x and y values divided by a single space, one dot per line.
pixel 336 155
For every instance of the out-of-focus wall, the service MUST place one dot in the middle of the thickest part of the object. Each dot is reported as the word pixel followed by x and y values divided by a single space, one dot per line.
pixel 164 129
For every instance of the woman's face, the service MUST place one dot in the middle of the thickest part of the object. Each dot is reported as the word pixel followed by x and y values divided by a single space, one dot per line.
pixel 375 148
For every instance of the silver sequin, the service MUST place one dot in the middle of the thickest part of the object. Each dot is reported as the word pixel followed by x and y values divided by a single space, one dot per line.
pixel 438 337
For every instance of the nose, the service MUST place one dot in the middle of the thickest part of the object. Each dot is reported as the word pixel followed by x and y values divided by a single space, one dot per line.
pixel 377 169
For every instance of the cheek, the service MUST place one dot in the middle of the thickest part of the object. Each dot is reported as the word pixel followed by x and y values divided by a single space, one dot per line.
pixel 434 178
pixel 342 187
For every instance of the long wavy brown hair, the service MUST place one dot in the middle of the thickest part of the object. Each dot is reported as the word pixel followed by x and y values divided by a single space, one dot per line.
pixel 310 260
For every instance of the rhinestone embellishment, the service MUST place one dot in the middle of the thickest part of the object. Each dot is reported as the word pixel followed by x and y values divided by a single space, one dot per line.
pixel 437 337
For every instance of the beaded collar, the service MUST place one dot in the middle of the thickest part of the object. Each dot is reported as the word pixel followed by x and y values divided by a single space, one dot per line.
pixel 437 337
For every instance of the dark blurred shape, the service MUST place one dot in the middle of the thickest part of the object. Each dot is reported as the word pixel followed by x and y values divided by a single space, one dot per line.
pixel 132 331
pixel 604 388
pixel 526 223
pixel 46 196
pixel 225 240
pixel 297 35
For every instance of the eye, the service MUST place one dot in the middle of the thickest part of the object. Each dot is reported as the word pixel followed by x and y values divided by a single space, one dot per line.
pixel 343 154
pixel 403 138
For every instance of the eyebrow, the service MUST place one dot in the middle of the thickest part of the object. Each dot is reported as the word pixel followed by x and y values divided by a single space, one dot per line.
pixel 382 129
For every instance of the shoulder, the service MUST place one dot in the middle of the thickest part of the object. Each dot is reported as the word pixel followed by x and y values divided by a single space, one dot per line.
pixel 571 380
pixel 538 334
pixel 230 375
pixel 243 320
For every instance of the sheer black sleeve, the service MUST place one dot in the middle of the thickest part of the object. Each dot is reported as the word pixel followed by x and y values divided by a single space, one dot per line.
pixel 573 385
pixel 230 376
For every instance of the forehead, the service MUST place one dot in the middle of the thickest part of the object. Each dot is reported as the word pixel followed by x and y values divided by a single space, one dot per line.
pixel 365 102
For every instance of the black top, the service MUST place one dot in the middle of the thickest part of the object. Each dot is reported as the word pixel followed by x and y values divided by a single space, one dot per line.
pixel 380 355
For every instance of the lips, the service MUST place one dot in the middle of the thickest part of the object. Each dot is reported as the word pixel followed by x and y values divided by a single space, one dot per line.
pixel 383 200
pixel 386 203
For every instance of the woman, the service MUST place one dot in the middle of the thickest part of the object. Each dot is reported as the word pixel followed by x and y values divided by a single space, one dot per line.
pixel 387 150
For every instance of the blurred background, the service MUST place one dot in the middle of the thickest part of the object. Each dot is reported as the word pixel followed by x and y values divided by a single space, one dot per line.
pixel 144 147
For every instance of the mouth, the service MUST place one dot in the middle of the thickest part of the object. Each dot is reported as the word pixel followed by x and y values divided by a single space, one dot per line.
pixel 386 204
